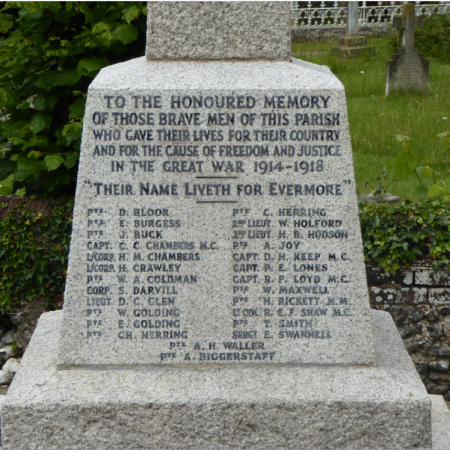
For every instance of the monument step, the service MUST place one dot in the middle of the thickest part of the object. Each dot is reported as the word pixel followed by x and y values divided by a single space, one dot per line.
pixel 347 51
pixel 352 41
pixel 284 406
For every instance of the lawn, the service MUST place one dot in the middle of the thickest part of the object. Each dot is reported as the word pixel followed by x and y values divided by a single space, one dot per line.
pixel 375 119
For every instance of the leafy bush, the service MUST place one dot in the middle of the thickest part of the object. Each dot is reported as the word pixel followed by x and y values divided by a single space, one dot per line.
pixel 433 39
pixel 49 53
pixel 395 235
pixel 406 164
pixel 33 255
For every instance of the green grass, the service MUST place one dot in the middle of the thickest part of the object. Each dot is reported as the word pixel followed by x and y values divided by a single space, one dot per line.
pixel 375 119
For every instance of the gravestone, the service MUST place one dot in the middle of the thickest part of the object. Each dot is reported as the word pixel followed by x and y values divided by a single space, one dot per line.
pixel 352 44
pixel 351 26
pixel 408 69
pixel 216 293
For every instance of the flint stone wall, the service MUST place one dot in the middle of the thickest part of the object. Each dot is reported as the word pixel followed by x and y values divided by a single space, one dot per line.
pixel 419 302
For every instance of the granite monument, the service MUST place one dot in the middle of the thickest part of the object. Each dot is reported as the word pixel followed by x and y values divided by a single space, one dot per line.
pixel 216 293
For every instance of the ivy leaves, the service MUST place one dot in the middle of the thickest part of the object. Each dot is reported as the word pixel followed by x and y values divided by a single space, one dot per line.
pixel 49 53
pixel 33 254
pixel 396 235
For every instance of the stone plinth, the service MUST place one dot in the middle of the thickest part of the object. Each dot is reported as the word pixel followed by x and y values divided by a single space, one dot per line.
pixel 352 46
pixel 250 244
pixel 218 30
pixel 408 70
pixel 238 407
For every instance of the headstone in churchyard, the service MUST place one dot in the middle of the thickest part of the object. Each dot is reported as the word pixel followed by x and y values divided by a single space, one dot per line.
pixel 352 44
pixel 408 69
pixel 216 293
pixel 351 26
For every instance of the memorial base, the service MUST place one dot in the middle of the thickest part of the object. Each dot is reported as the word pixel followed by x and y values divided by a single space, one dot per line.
pixel 271 407
pixel 352 47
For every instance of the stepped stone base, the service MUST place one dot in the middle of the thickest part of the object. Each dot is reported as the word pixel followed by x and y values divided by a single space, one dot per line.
pixel 352 46
pixel 271 407
pixel 408 70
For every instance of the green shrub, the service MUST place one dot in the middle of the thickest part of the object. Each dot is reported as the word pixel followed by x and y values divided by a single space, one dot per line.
pixel 395 235
pixel 49 53
pixel 33 255
pixel 433 39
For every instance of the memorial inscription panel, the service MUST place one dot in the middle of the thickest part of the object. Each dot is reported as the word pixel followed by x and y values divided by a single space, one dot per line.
pixel 215 227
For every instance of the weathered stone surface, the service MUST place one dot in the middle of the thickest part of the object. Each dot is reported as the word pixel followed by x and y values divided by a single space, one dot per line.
pixel 29 314
pixel 439 296
pixel 271 250
pixel 352 46
pixel 5 376
pixel 440 417
pixel 351 25
pixel 7 352
pixel 408 70
pixel 218 30
pixel 7 338
pixel 12 365
pixel 432 315
pixel 396 294
pixel 439 365
pixel 289 407
pixel 376 275
pixel 429 278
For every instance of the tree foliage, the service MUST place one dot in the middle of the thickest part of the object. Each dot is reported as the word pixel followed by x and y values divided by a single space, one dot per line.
pixel 49 54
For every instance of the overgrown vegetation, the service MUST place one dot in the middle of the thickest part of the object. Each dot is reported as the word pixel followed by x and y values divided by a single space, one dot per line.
pixel 396 235
pixel 33 255
pixel 433 39
pixel 49 53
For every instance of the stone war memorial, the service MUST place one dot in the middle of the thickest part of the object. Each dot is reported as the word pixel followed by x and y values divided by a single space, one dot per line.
pixel 216 294
pixel 408 69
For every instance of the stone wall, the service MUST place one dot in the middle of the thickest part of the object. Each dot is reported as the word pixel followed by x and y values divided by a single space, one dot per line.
pixel 303 34
pixel 419 302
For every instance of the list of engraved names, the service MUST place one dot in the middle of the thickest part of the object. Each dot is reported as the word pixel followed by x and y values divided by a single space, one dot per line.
pixel 214 226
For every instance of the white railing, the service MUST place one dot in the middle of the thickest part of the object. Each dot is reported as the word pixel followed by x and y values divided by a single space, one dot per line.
pixel 331 14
